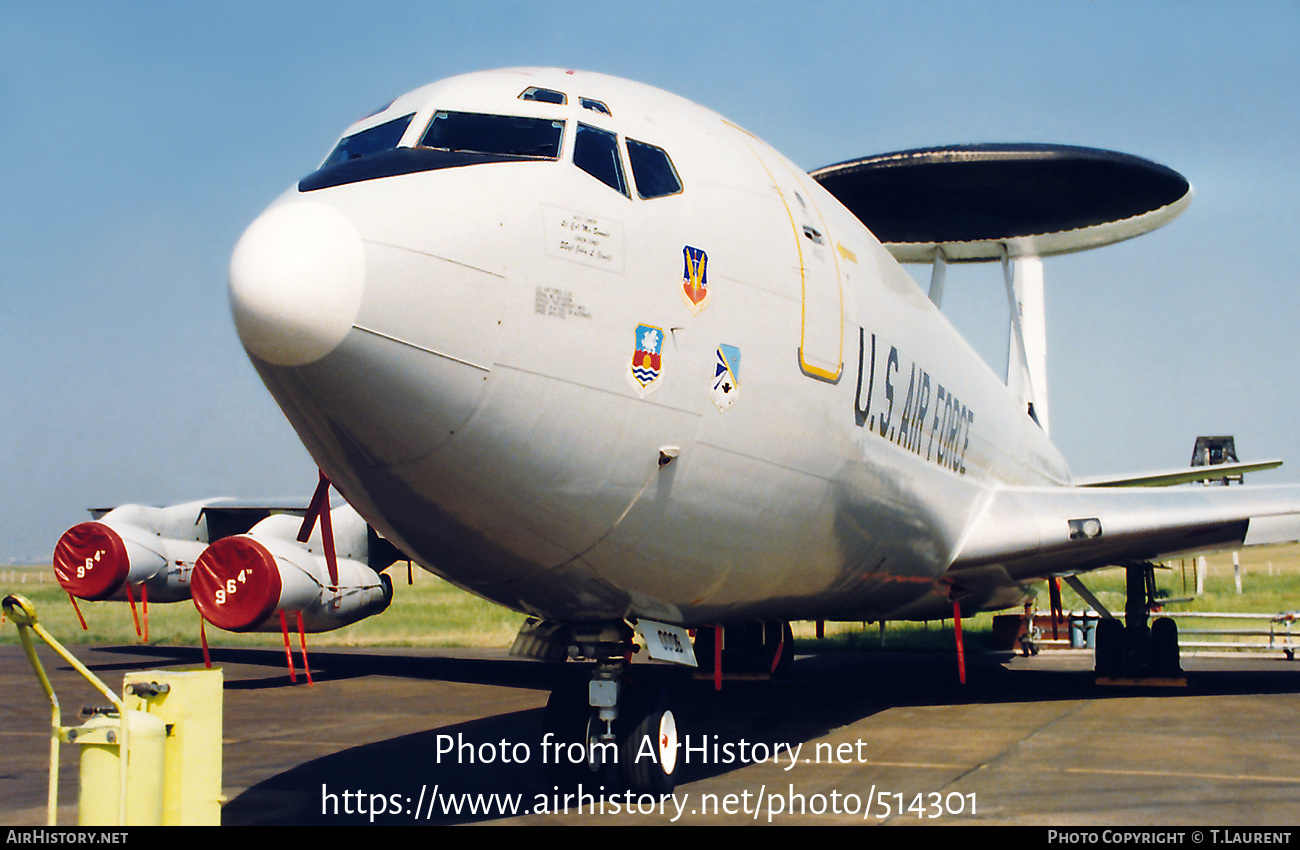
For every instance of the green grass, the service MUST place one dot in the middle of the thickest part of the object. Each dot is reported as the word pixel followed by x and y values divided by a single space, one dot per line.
pixel 432 612
pixel 1270 577
pixel 429 612
pixel 1270 584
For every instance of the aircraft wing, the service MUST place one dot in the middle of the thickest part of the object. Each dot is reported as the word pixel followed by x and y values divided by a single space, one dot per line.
pixel 1183 475
pixel 1032 532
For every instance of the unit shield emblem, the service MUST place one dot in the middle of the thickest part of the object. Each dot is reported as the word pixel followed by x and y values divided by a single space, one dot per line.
pixel 726 377
pixel 645 368
pixel 695 279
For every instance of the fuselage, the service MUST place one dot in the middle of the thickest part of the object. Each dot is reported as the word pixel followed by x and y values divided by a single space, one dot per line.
pixel 591 351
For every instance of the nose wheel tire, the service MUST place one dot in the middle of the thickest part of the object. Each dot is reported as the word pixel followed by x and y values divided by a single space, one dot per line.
pixel 576 756
pixel 649 748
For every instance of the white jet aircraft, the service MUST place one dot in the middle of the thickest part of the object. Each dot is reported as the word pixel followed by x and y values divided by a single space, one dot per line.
pixel 595 353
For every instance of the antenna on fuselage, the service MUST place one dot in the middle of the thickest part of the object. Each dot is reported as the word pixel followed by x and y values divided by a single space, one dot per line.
pixel 1012 203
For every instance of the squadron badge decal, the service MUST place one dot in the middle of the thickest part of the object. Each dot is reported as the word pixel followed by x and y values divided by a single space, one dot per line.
pixel 726 377
pixel 695 279
pixel 645 369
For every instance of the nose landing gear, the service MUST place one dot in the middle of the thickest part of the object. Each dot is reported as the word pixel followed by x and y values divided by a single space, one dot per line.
pixel 611 720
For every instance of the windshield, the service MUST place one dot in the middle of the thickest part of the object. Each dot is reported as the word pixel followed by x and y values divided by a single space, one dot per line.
pixel 494 134
pixel 595 151
pixel 381 137
pixel 653 170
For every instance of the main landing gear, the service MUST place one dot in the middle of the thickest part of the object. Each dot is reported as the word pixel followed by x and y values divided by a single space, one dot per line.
pixel 613 721
pixel 1131 653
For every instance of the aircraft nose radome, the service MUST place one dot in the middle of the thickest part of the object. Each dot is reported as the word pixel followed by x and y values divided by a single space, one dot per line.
pixel 296 280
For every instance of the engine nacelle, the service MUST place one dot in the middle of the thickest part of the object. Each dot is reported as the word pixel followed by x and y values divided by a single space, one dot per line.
pixel 242 583
pixel 133 545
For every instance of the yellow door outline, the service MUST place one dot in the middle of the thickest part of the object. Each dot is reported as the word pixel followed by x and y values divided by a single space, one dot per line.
pixel 810 289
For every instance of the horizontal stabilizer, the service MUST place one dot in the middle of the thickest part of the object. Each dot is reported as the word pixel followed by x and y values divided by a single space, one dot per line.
pixel 1183 475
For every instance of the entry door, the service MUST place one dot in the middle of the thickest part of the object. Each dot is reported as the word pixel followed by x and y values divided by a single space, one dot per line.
pixel 821 337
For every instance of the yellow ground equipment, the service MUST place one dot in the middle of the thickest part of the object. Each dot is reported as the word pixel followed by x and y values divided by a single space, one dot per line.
pixel 172 738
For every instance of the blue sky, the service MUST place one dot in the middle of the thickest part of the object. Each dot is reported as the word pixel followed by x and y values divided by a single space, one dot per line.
pixel 139 139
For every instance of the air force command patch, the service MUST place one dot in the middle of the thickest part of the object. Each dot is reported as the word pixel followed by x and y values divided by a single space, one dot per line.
pixel 726 377
pixel 646 366
pixel 695 278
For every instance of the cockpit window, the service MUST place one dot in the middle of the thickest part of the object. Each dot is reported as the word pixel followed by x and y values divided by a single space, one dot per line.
pixel 474 132
pixel 594 105
pixel 379 138
pixel 544 95
pixel 652 169
pixel 595 151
